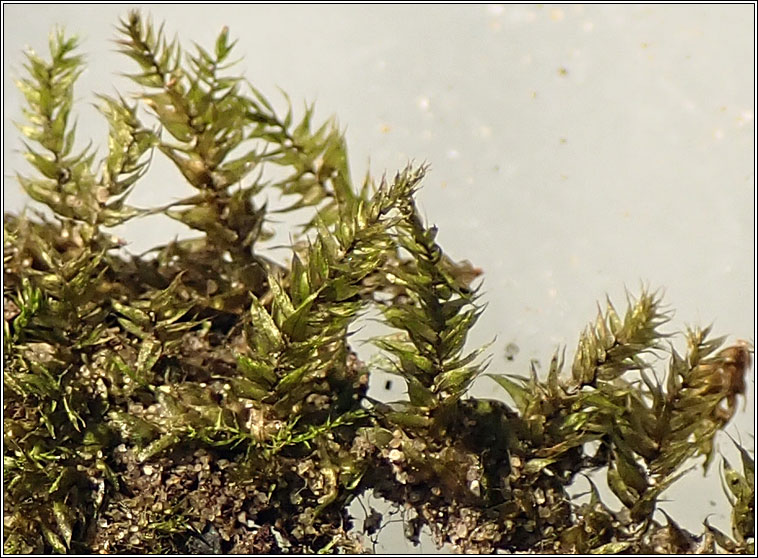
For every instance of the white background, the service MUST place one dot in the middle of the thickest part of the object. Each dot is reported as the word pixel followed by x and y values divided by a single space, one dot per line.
pixel 575 150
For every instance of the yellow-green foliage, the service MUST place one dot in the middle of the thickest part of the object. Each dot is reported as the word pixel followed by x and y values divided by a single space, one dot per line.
pixel 205 399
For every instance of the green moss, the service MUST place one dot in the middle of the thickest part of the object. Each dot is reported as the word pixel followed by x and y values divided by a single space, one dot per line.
pixel 204 398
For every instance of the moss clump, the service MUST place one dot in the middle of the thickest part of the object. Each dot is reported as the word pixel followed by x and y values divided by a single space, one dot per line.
pixel 204 398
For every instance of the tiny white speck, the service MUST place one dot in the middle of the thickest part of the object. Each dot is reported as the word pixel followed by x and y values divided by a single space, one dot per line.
pixel 423 103
pixel 744 117
pixel 395 455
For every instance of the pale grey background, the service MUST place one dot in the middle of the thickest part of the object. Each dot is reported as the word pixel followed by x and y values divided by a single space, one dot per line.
pixel 575 150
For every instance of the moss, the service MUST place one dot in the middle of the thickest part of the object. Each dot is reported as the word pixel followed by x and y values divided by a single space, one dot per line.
pixel 204 398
